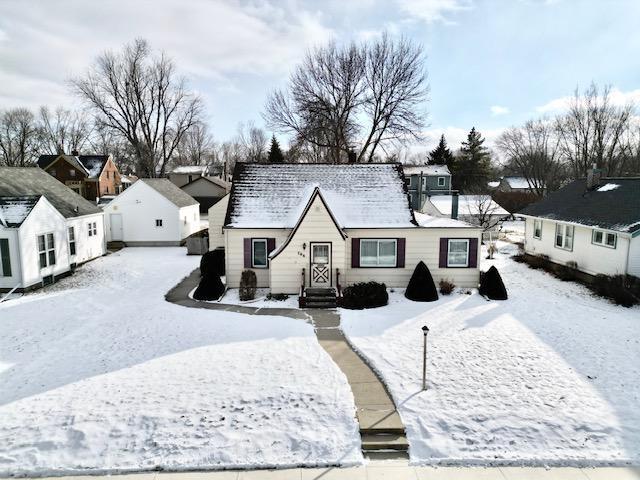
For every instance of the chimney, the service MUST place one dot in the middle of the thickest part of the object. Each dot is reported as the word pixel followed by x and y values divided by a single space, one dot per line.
pixel 74 153
pixel 593 177
pixel 454 205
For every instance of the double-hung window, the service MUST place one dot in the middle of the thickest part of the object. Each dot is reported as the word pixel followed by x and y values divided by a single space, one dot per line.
pixel 46 250
pixel 72 241
pixel 537 229
pixel 378 253
pixel 259 253
pixel 158 222
pixel 564 236
pixel 92 228
pixel 604 239
pixel 458 252
pixel 441 181
pixel 5 258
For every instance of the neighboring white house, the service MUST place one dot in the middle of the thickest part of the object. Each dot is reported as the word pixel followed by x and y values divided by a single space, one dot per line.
pixel 335 225
pixel 180 176
pixel 46 229
pixel 152 211
pixel 595 224
pixel 478 210
pixel 216 222
pixel 207 191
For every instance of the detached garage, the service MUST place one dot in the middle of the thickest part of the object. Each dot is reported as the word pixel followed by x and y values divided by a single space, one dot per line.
pixel 207 191
pixel 152 212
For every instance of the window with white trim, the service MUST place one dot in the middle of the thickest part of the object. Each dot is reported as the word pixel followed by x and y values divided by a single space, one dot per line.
pixel 72 240
pixel 92 228
pixel 378 252
pixel 46 250
pixel 259 253
pixel 441 181
pixel 158 222
pixel 604 239
pixel 537 229
pixel 458 252
pixel 564 236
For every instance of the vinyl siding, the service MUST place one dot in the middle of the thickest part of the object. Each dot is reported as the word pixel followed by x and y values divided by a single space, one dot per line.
pixel 216 221
pixel 634 257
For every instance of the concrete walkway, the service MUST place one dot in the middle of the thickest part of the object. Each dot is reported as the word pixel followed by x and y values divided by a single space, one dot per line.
pixel 394 471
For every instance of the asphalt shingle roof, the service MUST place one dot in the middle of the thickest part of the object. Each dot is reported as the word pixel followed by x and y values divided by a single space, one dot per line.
pixel 19 181
pixel 614 204
pixel 15 209
pixel 91 164
pixel 168 190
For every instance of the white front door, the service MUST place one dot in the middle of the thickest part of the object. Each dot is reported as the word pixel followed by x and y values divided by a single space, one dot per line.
pixel 116 226
pixel 320 265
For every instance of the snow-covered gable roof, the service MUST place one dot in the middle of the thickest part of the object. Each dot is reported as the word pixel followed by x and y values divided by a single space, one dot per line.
pixel 432 170
pixel 14 210
pixel 372 195
pixel 467 205
pixel 168 190
pixel 193 169
pixel 430 221
pixel 517 183
pixel 614 205
pixel 93 164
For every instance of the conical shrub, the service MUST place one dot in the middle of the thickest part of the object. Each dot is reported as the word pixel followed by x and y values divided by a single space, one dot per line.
pixel 210 288
pixel 492 286
pixel 421 287
pixel 212 263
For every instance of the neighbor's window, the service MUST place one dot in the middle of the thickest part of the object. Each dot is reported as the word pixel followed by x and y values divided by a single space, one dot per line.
pixel 564 236
pixel 53 172
pixel 72 172
pixel 259 252
pixel 458 253
pixel 537 229
pixel 72 240
pixel 95 228
pixel 46 250
pixel 158 222
pixel 378 253
pixel 5 258
pixel 604 239
pixel 92 228
pixel 441 181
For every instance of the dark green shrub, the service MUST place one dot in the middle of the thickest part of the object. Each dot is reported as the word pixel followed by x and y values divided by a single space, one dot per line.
pixel 212 263
pixel 567 272
pixel 421 287
pixel 492 286
pixel 446 287
pixel 278 297
pixel 519 258
pixel 210 288
pixel 248 283
pixel 364 295
pixel 618 288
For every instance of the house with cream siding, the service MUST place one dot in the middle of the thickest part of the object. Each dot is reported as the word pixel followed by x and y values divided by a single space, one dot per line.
pixel 329 226
pixel 594 223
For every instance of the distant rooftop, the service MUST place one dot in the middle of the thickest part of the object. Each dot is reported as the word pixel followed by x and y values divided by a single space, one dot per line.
pixel 467 205
pixel 426 170
pixel 168 190
pixel 15 209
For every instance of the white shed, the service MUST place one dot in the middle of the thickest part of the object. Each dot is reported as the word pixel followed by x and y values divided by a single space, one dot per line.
pixel 153 211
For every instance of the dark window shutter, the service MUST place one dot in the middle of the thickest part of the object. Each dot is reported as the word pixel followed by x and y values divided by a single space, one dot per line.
pixel 6 259
pixel 473 252
pixel 402 243
pixel 444 251
pixel 355 252
pixel 271 245
pixel 247 253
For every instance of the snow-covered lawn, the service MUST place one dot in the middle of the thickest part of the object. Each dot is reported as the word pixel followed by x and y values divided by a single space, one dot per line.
pixel 550 376
pixel 101 373
pixel 232 297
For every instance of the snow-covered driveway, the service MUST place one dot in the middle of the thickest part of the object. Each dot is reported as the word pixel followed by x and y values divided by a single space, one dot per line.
pixel 551 376
pixel 101 373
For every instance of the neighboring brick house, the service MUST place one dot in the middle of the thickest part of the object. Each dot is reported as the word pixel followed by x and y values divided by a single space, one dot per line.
pixel 91 176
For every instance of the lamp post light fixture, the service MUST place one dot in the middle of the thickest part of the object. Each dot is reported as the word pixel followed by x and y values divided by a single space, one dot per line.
pixel 425 330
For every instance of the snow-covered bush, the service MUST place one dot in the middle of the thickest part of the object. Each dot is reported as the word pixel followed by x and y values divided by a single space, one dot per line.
pixel 446 286
pixel 212 262
pixel 421 287
pixel 248 284
pixel 364 295
pixel 210 288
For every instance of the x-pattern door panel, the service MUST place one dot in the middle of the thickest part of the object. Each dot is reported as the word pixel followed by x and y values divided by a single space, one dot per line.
pixel 320 264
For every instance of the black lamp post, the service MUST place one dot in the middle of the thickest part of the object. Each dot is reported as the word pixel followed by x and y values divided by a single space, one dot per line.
pixel 425 331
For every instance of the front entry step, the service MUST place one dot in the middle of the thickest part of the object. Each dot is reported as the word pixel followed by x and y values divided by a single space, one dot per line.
pixel 320 298
pixel 385 442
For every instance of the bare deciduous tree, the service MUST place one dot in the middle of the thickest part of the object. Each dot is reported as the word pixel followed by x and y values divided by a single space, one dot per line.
pixel 63 131
pixel 354 97
pixel 254 142
pixel 196 147
pixel 139 96
pixel 19 138
pixel 483 211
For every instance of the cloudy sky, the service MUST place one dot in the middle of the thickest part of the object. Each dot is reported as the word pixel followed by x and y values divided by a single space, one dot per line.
pixel 491 64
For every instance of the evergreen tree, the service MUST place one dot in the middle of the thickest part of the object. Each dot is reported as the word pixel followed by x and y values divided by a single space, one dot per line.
pixel 441 155
pixel 275 153
pixel 472 166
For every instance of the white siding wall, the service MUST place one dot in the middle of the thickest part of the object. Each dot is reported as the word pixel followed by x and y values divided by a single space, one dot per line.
pixel 634 257
pixel 422 244
pixel 317 226
pixel 234 253
pixel 593 259
pixel 140 206
pixel 43 219
pixel 216 220
pixel 8 282
pixel 88 247
pixel 189 220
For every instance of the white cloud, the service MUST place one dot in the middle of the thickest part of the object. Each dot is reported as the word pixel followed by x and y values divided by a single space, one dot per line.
pixel 616 96
pixel 431 11
pixel 498 110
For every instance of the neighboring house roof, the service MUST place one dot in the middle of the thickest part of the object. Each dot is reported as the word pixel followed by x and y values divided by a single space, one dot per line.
pixel 169 191
pixel 493 184
pixel 19 181
pixel 517 183
pixel 186 169
pixel 214 180
pixel 614 205
pixel 45 161
pixel 467 205
pixel 430 221
pixel 372 195
pixel 426 170
pixel 94 164
pixel 105 200
pixel 15 209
